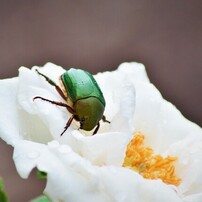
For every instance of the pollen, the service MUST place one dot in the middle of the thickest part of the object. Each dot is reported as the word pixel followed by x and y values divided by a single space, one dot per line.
pixel 151 166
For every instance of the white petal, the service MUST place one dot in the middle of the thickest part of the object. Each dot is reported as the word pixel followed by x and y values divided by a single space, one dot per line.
pixel 102 148
pixel 119 93
pixel 39 118
pixel 88 168
pixel 188 166
pixel 123 119
pixel 158 119
pixel 26 155
pixel 193 198
pixel 72 178
pixel 135 71
pixel 125 185
pixel 9 126
pixel 52 71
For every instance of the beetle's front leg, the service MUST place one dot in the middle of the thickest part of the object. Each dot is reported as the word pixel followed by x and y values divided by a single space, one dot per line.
pixel 68 124
pixel 97 128
pixel 51 82
pixel 104 119
pixel 98 125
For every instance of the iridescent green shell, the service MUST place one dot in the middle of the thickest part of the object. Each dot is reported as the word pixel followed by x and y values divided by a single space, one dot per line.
pixel 86 96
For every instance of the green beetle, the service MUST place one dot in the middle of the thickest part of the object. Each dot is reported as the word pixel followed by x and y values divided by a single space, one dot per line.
pixel 84 99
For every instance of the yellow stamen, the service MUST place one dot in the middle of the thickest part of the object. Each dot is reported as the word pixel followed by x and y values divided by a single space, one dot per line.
pixel 150 166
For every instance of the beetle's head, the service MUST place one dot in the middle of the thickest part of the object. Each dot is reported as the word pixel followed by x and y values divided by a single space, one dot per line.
pixel 89 111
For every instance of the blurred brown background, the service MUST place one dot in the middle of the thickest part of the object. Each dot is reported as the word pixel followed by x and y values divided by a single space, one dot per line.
pixel 99 35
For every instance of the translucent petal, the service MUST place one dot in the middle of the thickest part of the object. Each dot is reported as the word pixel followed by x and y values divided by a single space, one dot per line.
pixel 88 168
pixel 72 178
pixel 189 164
pixel 159 120
pixel 120 96
pixel 102 148
pixel 38 117
pixel 52 71
pixel 9 124
pixel 193 198
pixel 134 71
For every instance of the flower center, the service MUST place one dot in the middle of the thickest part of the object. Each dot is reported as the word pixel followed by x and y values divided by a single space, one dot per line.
pixel 142 160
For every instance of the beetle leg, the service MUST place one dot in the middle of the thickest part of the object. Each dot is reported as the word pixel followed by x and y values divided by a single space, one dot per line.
pixel 61 104
pixel 67 124
pixel 97 128
pixel 104 119
pixel 51 82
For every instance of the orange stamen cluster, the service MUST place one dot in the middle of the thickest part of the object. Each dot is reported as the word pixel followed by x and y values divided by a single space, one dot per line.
pixel 150 166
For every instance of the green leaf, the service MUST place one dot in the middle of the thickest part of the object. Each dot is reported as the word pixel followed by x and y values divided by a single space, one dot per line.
pixel 41 198
pixel 1 184
pixel 3 196
pixel 41 175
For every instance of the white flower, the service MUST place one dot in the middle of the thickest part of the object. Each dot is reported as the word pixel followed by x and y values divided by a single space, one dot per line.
pixel 87 168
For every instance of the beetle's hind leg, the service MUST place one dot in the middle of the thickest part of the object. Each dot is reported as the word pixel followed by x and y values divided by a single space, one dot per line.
pixel 61 104
pixel 51 82
pixel 104 119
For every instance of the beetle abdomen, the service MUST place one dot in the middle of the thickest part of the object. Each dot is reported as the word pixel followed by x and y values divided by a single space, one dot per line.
pixel 90 110
pixel 80 84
